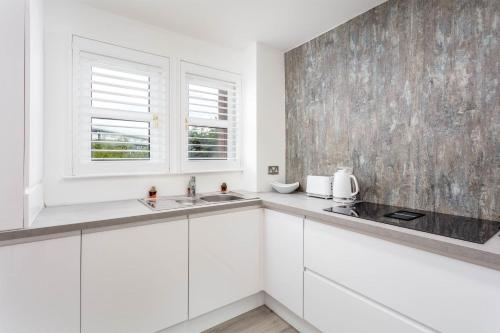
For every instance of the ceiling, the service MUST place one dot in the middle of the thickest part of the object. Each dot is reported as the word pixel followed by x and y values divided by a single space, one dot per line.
pixel 283 24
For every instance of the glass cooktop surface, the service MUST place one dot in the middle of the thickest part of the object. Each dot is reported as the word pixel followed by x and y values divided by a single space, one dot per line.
pixel 458 227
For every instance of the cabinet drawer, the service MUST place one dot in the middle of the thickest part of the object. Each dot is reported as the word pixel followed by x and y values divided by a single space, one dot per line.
pixel 332 308
pixel 445 294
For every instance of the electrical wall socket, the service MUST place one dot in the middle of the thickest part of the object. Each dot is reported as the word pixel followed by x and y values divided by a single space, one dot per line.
pixel 273 170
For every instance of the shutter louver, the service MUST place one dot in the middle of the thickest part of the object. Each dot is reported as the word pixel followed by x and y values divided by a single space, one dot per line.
pixel 212 119
pixel 121 110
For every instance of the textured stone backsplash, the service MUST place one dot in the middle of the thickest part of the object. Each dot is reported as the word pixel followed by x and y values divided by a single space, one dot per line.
pixel 408 95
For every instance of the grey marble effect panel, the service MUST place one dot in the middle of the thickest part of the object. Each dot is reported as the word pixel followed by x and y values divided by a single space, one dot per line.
pixel 408 95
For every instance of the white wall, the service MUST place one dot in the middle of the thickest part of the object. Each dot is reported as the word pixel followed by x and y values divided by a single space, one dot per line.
pixel 34 117
pixel 62 20
pixel 270 115
pixel 262 69
pixel 12 14
pixel 250 118
pixel 264 116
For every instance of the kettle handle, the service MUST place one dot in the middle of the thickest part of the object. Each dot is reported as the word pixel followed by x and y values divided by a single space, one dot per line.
pixel 355 183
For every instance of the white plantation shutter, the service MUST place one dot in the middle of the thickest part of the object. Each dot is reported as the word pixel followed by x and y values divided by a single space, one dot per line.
pixel 121 104
pixel 211 103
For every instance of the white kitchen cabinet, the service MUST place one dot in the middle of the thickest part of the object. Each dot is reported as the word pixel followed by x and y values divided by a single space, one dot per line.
pixel 332 308
pixel 445 294
pixel 224 259
pixel 134 279
pixel 12 112
pixel 40 286
pixel 283 259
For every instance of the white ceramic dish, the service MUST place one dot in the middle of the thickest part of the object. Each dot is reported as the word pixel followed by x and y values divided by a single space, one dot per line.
pixel 285 188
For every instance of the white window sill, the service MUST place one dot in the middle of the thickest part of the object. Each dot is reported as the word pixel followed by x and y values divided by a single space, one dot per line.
pixel 189 172
pixel 148 174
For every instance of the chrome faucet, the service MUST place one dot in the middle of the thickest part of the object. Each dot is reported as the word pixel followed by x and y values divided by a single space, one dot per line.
pixel 192 187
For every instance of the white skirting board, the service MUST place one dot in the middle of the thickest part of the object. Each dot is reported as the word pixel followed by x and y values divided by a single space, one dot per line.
pixel 291 318
pixel 235 309
pixel 218 316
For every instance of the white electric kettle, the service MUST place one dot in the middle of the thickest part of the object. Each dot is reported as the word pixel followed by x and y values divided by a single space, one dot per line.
pixel 342 186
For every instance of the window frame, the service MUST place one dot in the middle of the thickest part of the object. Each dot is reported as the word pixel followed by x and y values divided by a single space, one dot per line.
pixel 187 165
pixel 118 167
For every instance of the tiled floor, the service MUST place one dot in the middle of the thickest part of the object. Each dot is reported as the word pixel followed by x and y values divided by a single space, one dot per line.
pixel 260 320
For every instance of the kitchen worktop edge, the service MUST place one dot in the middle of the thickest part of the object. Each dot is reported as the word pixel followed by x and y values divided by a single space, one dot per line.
pixel 64 219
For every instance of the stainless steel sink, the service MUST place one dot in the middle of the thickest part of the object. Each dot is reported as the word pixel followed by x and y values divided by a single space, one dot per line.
pixel 176 202
pixel 190 201
pixel 221 197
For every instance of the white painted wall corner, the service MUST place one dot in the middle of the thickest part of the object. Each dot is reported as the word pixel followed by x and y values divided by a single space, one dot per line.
pixel 33 200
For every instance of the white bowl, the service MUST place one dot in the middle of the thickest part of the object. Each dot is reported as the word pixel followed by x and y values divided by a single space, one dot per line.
pixel 285 188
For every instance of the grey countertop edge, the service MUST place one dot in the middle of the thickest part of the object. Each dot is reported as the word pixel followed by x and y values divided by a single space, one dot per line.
pixel 27 233
pixel 455 251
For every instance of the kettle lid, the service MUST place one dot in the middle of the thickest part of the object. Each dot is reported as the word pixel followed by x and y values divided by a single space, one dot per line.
pixel 344 169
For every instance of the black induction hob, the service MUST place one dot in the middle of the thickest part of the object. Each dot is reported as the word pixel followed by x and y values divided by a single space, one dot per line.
pixel 459 227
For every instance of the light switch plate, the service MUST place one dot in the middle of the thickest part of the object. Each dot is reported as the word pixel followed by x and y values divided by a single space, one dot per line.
pixel 273 170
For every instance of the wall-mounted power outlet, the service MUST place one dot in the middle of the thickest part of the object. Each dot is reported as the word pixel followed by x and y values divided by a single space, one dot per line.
pixel 273 170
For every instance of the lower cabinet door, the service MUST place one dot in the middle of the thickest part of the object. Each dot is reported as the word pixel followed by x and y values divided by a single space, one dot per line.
pixel 224 259
pixel 334 309
pixel 134 279
pixel 40 286
pixel 283 259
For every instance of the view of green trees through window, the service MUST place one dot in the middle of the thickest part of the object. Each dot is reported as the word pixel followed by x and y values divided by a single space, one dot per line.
pixel 120 139
pixel 208 104
pixel 207 143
